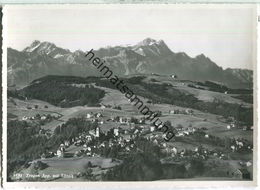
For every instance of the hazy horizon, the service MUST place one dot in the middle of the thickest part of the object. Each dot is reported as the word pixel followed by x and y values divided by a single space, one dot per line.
pixel 218 33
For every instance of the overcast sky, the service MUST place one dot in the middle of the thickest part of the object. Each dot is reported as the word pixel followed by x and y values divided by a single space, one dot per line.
pixel 222 34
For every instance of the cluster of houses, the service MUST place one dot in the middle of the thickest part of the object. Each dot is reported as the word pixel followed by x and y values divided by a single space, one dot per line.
pixel 121 120
pixel 39 117
pixel 117 119
pixel 90 149
pixel 240 145
pixel 90 142
pixel 177 111
pixel 124 142
pixel 35 107
pixel 230 126
pixel 93 115
pixel 234 126
pixel 181 131
pixel 120 137
pixel 124 136
pixel 176 153
pixel 25 118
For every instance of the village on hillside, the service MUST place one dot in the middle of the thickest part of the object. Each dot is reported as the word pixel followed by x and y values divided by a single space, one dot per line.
pixel 98 143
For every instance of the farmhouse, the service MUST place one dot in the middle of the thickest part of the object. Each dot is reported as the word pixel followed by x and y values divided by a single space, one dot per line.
pixel 142 120
pixel 188 111
pixel 88 138
pixel 25 118
pixel 123 120
pixel 60 153
pixel 89 115
pixel 174 76
pixel 97 132
pixel 248 163
pixel 92 132
pixel 43 156
pixel 172 112
pixel 67 143
pixel 97 115
pixel 186 132
pixel 43 117
pixel 174 151
pixel 101 122
pixel 152 128
pixel 180 134
pixel 179 128
pixel 62 147
pixel 116 132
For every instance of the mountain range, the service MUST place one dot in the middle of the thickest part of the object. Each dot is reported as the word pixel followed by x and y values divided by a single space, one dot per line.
pixel 147 57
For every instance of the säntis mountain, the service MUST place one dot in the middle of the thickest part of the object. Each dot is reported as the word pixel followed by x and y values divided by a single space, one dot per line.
pixel 146 57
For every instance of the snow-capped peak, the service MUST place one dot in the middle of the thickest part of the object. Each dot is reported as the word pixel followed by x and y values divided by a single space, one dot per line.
pixel 45 48
pixel 35 44
pixel 147 42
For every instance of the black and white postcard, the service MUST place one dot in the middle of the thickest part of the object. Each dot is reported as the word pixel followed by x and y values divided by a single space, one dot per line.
pixel 101 93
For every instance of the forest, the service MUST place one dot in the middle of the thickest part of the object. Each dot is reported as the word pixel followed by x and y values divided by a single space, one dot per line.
pixel 26 141
pixel 60 91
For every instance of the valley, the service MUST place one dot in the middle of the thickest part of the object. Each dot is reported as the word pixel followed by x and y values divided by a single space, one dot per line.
pixel 95 140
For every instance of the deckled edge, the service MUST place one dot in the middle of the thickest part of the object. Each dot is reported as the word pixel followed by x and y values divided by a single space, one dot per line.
pixel 1 132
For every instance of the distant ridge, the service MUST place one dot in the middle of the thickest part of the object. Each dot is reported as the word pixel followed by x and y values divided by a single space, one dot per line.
pixel 146 57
